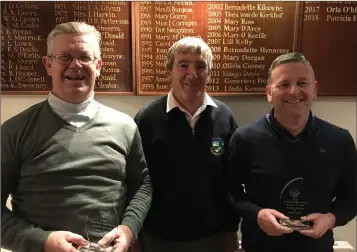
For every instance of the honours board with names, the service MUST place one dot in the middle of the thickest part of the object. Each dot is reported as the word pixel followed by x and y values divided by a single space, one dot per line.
pixel 329 41
pixel 245 37
pixel 25 26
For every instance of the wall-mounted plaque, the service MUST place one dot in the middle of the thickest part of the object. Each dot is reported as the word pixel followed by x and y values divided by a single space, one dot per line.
pixel 245 37
pixel 25 26
pixel 329 42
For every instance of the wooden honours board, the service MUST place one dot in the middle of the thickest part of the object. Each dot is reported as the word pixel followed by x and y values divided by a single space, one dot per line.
pixel 244 36
pixel 25 26
pixel 329 41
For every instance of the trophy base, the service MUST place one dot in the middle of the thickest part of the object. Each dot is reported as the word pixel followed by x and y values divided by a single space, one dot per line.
pixel 94 247
pixel 295 224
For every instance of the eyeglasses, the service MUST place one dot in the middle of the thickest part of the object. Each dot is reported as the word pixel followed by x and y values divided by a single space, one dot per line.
pixel 66 59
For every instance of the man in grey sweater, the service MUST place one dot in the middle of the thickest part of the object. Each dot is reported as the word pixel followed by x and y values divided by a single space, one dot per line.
pixel 75 168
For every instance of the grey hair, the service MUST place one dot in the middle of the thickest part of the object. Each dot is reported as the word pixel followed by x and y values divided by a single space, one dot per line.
pixel 290 58
pixel 77 28
pixel 189 44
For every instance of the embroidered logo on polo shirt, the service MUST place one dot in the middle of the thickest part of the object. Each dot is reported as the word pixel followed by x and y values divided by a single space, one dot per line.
pixel 217 148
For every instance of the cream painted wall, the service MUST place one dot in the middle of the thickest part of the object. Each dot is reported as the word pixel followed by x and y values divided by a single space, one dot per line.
pixel 338 110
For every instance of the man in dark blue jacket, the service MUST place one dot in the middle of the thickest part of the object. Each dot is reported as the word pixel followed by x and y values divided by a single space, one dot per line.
pixel 290 167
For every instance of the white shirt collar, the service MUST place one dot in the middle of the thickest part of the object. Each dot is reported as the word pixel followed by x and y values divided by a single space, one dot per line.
pixel 172 103
pixel 60 105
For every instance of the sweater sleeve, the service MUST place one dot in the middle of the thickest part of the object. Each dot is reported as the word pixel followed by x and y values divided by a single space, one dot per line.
pixel 17 234
pixel 344 206
pixel 235 178
pixel 139 187
pixel 231 218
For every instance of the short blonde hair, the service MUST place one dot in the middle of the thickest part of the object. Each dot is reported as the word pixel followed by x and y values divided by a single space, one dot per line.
pixel 73 28
pixel 189 44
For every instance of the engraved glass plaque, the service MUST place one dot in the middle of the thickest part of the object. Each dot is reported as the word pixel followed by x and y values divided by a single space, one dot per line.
pixel 100 221
pixel 294 205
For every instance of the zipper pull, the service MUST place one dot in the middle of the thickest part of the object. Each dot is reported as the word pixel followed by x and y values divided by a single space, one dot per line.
pixel 193 133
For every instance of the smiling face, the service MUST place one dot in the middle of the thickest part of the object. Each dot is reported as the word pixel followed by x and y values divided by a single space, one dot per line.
pixel 189 76
pixel 292 89
pixel 73 82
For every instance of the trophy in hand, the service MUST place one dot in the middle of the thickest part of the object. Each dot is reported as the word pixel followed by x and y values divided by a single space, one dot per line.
pixel 101 219
pixel 294 205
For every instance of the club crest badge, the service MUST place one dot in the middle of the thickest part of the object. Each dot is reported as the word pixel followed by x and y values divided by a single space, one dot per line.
pixel 217 148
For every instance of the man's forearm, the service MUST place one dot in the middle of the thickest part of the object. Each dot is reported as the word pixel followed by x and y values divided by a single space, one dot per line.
pixel 20 235
pixel 344 210
pixel 244 207
pixel 139 187
pixel 138 207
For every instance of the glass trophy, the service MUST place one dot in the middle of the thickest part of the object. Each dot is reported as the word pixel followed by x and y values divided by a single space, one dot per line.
pixel 100 221
pixel 294 205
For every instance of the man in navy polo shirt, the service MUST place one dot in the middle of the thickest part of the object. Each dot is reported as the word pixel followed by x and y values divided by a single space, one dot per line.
pixel 292 176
